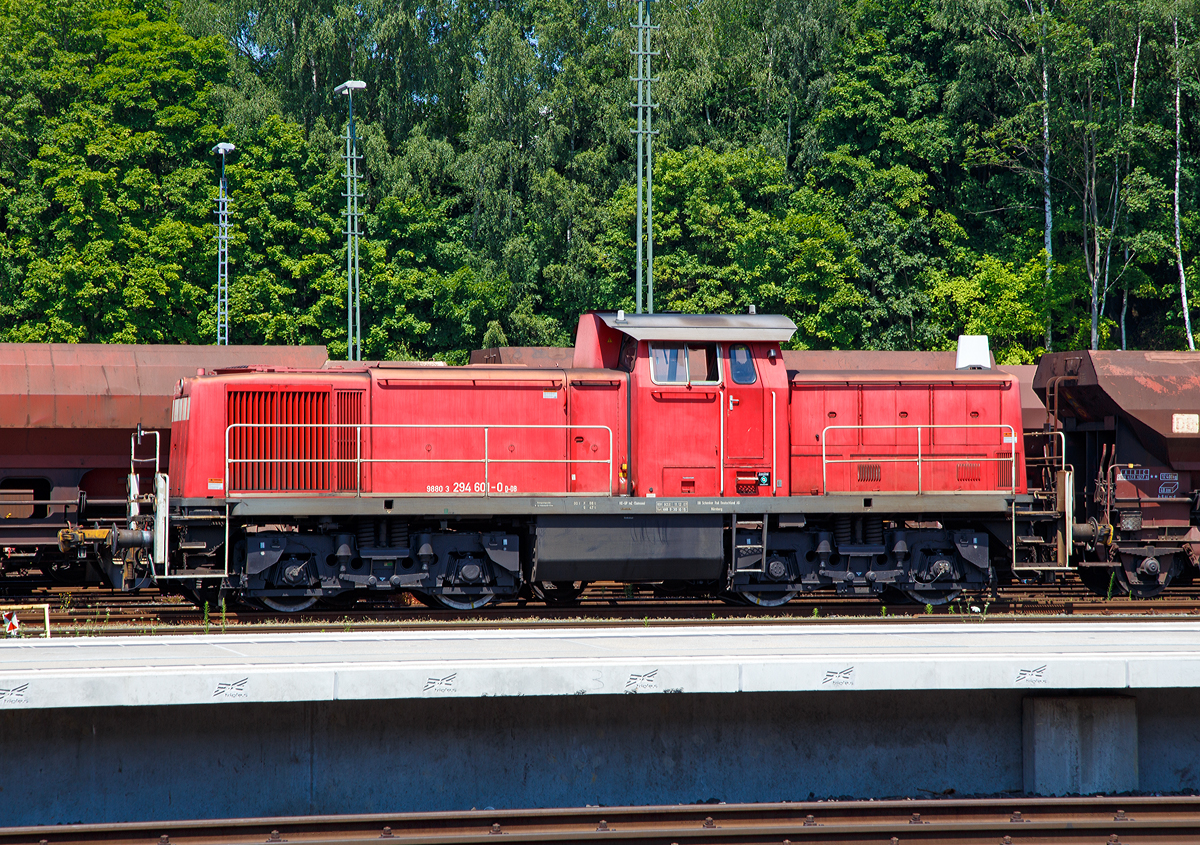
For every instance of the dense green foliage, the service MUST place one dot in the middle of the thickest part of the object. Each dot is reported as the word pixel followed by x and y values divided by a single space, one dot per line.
pixel 872 169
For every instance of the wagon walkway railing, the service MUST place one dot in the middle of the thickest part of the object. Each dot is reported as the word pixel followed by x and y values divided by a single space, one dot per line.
pixel 1009 442
pixel 295 458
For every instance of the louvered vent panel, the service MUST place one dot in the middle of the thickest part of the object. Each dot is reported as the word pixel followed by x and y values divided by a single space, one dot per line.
pixel 869 472
pixel 284 449
pixel 349 414
pixel 1004 471
pixel 969 472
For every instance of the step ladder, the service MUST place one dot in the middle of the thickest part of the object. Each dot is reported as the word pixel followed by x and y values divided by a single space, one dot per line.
pixel 748 538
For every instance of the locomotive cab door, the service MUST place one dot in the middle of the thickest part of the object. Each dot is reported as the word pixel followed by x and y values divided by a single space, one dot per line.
pixel 679 420
pixel 746 435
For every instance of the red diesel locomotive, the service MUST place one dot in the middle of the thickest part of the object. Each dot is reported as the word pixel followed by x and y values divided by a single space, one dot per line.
pixel 674 450
pixel 685 452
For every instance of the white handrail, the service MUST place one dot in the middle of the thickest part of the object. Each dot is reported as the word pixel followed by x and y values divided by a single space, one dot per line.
pixel 920 460
pixel 1062 439
pixel 358 460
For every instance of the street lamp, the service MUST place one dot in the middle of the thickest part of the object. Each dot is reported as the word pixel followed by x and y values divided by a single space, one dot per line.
pixel 223 149
pixel 353 316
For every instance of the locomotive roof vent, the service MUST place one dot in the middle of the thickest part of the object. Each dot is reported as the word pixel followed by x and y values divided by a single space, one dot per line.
pixel 685 327
pixel 973 353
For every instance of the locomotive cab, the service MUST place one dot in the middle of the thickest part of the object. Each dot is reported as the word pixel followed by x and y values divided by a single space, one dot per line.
pixel 711 398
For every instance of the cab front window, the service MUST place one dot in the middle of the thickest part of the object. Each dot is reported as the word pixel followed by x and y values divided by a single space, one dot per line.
pixel 741 365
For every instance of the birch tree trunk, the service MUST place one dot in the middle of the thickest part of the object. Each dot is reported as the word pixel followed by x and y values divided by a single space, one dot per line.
pixel 1049 227
pixel 1137 58
pixel 1187 319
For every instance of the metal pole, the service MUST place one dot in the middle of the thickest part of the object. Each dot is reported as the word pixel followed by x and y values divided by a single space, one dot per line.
pixel 349 252
pixel 357 276
pixel 639 27
pixel 222 260
pixel 353 274
pixel 645 160
pixel 649 172
pixel 223 149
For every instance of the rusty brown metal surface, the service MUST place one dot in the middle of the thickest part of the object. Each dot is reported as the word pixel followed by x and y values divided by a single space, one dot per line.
pixel 822 360
pixel 106 386
pixel 528 356
pixel 1033 410
pixel 1094 820
pixel 1147 389
pixel 897 376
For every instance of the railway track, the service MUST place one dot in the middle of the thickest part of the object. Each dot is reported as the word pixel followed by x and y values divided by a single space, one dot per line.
pixel 100 612
pixel 1124 820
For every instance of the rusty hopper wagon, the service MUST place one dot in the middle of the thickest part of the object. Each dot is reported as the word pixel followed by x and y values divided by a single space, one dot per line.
pixel 66 418
pixel 1130 428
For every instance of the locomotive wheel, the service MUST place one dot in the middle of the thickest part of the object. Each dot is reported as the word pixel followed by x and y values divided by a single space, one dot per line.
pixel 1100 580
pixel 453 603
pixel 559 593
pixel 1142 585
pixel 768 599
pixel 288 604
pixel 937 598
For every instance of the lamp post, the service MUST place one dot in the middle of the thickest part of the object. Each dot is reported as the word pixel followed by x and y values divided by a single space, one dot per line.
pixel 223 149
pixel 353 317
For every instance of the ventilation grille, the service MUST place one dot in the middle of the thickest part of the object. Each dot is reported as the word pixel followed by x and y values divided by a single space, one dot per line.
pixel 1004 471
pixel 279 457
pixel 969 472
pixel 349 414
pixel 869 472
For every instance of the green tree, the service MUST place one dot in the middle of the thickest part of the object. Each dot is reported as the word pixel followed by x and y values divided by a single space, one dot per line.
pixel 107 181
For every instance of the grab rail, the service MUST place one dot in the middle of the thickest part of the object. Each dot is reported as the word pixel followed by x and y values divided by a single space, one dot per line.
pixel 489 490
pixel 919 459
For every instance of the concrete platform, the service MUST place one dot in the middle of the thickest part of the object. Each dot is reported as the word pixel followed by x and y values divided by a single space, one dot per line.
pixel 174 727
pixel 248 668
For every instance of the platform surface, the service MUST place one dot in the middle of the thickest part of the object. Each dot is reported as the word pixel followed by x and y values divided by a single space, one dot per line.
pixel 974 655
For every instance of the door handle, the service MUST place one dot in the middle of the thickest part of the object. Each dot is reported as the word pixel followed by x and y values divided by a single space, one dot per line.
pixel 733 402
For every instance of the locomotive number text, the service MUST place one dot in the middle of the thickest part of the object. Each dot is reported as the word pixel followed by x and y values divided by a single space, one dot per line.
pixel 479 487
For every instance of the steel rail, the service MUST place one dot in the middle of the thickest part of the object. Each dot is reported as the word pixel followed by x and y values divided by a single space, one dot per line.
pixel 101 614
pixel 1020 821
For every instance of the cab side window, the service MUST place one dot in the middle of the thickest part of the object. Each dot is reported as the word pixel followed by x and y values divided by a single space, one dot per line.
pixel 741 365
pixel 667 363
pixel 628 354
pixel 677 363
pixel 702 363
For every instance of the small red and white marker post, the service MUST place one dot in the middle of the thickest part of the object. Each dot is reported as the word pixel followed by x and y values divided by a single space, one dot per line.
pixel 10 622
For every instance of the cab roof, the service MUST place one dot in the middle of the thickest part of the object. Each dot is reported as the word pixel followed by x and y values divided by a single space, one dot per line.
pixel 701 327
